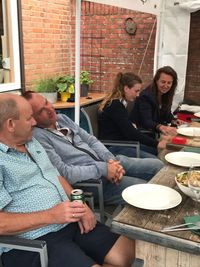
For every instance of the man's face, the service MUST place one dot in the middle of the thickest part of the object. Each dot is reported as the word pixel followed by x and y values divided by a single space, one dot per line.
pixel 164 83
pixel 23 126
pixel 43 111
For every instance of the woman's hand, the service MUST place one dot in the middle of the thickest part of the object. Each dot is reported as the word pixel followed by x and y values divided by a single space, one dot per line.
pixel 162 144
pixel 167 130
pixel 165 137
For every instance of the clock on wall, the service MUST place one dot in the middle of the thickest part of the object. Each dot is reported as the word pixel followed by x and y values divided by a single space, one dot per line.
pixel 130 26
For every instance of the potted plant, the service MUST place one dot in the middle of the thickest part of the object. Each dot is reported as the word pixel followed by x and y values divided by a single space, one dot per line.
pixel 65 86
pixel 85 81
pixel 47 87
pixel 1 69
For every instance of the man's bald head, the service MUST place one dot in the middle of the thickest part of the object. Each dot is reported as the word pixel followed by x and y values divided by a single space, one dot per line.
pixel 8 108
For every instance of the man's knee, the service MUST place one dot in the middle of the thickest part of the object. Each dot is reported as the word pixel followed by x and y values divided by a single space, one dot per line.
pixel 122 253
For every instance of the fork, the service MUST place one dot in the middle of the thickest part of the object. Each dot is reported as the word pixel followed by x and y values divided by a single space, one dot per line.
pixel 196 226
pixel 181 229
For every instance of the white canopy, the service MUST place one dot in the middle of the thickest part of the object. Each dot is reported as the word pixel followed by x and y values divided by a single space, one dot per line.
pixel 172 38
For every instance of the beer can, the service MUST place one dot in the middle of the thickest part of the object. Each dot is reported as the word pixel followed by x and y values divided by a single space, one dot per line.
pixel 77 195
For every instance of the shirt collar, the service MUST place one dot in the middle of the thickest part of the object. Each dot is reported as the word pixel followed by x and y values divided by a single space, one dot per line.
pixel 61 128
pixel 124 102
pixel 4 147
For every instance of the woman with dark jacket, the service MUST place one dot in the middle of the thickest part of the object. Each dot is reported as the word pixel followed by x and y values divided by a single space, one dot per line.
pixel 114 122
pixel 152 109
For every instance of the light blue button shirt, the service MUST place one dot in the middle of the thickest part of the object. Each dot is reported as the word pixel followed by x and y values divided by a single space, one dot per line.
pixel 28 185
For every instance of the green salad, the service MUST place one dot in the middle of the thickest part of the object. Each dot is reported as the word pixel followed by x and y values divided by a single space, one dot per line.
pixel 182 178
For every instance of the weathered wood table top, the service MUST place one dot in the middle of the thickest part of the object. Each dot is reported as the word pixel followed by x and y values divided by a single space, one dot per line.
pixel 146 225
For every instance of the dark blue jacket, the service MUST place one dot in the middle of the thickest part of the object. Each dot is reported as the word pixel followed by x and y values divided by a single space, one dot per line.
pixel 114 124
pixel 146 113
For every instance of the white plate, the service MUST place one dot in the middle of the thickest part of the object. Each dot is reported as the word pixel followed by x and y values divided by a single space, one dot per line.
pixel 151 196
pixel 189 131
pixel 184 159
pixel 197 114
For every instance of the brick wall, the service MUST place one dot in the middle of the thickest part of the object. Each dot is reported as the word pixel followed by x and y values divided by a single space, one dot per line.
pixel 107 48
pixel 192 92
pixel 46 38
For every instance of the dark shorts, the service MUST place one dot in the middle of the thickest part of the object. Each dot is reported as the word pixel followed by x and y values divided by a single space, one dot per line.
pixel 67 248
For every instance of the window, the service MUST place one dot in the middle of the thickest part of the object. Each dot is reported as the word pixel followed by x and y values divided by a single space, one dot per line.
pixel 10 72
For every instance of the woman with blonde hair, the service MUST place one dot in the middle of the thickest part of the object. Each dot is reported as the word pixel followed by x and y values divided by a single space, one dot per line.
pixel 114 122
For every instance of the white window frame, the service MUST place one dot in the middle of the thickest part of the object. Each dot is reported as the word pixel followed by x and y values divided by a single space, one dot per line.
pixel 16 50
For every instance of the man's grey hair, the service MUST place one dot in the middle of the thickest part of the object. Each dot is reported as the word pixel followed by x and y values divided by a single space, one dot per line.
pixel 8 109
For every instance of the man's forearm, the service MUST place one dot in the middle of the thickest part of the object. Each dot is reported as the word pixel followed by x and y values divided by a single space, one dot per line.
pixel 15 223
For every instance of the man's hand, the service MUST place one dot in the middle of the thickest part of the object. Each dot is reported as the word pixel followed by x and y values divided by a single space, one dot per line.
pixel 67 212
pixel 115 171
pixel 88 222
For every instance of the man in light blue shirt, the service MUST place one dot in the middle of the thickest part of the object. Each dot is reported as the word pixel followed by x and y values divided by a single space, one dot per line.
pixel 34 202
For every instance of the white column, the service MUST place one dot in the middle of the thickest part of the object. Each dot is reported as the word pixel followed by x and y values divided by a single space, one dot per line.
pixel 77 61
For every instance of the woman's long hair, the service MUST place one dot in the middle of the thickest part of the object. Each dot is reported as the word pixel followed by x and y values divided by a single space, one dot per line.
pixel 166 99
pixel 122 79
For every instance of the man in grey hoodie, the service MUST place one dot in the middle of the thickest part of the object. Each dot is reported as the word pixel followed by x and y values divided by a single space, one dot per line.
pixel 79 156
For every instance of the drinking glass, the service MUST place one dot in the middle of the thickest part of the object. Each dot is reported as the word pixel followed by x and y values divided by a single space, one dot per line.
pixel 194 185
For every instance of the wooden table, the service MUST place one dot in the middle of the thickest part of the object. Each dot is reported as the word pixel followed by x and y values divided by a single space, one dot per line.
pixel 92 97
pixel 157 249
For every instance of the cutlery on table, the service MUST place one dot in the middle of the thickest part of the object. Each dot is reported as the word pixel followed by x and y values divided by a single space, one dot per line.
pixel 180 227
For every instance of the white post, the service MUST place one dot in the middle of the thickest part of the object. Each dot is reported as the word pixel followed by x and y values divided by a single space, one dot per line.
pixel 77 62
pixel 159 37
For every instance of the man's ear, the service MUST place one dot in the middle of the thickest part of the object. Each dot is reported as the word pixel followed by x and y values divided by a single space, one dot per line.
pixel 10 124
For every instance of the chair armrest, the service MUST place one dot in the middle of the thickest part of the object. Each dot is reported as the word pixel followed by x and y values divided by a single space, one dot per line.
pixel 146 131
pixel 135 144
pixel 27 245
pixel 16 242
pixel 89 181
pixel 120 143
pixel 150 133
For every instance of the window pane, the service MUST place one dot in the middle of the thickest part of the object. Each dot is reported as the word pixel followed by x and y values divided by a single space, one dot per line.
pixel 9 46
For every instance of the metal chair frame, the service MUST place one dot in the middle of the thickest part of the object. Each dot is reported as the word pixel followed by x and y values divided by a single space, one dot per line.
pixel 98 184
pixel 27 245
pixel 91 115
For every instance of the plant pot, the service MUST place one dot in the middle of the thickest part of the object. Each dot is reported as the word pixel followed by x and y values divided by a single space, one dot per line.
pixel 64 96
pixel 84 89
pixel 51 97
pixel 1 76
pixel 72 98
